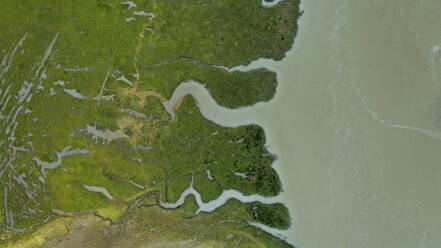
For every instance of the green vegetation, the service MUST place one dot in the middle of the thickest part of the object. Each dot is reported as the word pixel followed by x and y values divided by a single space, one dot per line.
pixel 219 32
pixel 217 149
pixel 149 225
pixel 275 215
pixel 230 89
pixel 88 47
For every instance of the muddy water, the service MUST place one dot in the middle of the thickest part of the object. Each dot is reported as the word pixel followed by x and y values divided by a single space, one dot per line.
pixel 356 123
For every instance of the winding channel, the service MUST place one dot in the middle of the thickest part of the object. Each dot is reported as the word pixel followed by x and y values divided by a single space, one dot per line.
pixel 225 117
pixel 226 195
pixel 230 118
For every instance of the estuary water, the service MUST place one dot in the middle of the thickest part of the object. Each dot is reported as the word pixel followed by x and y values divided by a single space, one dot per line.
pixel 356 124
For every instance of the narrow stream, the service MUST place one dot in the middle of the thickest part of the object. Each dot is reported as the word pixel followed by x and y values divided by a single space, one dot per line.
pixel 221 200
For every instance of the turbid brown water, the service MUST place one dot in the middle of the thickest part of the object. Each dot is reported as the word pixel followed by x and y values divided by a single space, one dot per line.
pixel 356 123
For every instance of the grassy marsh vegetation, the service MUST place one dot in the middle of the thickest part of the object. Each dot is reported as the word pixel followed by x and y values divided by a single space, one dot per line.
pixel 184 40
